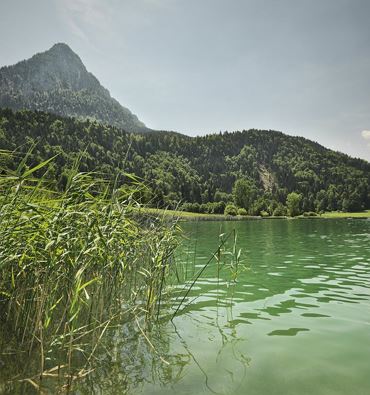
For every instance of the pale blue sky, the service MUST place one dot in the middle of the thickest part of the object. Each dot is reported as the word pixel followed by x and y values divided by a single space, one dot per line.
pixel 201 66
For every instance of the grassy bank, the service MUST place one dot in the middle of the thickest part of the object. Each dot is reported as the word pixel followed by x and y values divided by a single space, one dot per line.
pixel 187 216
pixel 337 214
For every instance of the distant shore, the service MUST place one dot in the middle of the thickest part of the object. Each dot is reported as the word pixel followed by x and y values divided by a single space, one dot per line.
pixel 188 216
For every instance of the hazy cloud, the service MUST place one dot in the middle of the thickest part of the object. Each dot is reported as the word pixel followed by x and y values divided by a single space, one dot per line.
pixel 366 135
pixel 84 16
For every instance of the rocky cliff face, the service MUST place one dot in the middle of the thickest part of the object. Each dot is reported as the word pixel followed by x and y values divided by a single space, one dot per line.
pixel 57 81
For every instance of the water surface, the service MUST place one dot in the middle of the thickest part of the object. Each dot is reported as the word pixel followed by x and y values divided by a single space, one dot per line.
pixel 297 321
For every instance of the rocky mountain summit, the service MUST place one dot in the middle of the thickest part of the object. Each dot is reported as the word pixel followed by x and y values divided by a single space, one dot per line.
pixel 57 81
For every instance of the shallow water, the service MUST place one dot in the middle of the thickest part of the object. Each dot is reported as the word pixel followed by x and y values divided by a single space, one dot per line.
pixel 295 322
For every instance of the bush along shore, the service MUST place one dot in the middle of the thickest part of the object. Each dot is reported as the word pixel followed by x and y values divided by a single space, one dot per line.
pixel 72 264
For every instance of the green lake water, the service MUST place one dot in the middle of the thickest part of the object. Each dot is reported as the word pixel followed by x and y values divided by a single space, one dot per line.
pixel 295 322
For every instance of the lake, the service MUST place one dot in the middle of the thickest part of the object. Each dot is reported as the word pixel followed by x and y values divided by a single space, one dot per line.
pixel 294 321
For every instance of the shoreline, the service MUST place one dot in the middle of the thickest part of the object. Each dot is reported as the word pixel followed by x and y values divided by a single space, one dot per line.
pixel 188 216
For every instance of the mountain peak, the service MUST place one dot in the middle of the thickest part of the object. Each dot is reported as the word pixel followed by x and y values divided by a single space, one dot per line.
pixel 60 65
pixel 57 81
pixel 61 52
pixel 61 47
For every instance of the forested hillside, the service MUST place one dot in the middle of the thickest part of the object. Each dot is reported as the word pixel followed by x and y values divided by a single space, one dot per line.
pixel 256 169
pixel 57 81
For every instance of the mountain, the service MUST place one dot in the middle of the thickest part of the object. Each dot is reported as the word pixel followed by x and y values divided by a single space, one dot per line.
pixel 200 172
pixel 57 81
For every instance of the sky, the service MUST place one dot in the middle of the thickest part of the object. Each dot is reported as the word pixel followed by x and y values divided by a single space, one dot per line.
pixel 203 66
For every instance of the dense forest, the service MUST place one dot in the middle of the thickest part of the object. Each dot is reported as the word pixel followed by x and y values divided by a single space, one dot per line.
pixel 258 172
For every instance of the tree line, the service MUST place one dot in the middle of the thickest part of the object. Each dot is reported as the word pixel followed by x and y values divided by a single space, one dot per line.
pixel 256 172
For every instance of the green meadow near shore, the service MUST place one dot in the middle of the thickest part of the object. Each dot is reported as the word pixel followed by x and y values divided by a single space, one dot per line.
pixel 187 216
pixel 337 214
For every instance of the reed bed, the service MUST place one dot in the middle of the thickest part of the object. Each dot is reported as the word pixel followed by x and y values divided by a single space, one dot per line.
pixel 72 264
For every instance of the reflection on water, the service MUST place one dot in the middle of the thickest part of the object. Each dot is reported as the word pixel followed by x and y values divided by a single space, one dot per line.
pixel 296 320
